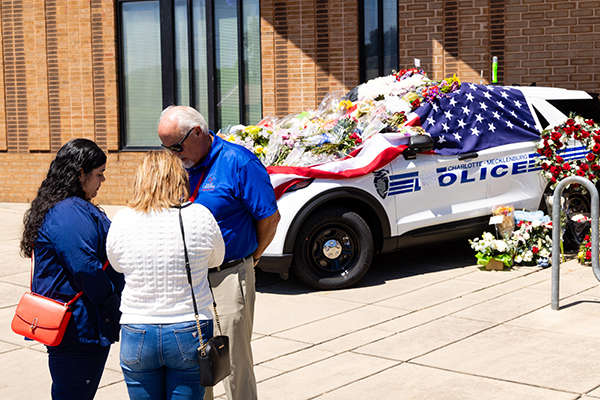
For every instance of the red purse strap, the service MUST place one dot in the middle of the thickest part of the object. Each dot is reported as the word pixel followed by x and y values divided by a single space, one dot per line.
pixel 74 299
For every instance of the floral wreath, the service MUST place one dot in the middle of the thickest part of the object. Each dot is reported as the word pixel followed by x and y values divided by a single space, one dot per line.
pixel 553 143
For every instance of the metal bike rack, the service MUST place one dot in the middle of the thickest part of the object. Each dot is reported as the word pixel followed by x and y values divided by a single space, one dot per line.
pixel 556 208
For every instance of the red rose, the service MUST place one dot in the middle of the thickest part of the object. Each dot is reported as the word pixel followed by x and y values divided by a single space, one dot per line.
pixel 595 166
pixel 590 157
pixel 588 255
pixel 596 138
pixel 556 136
pixel 553 180
pixel 585 134
pixel 596 148
pixel 586 238
pixel 580 173
pixel 566 166
pixel 534 250
pixel 559 145
pixel 548 153
pixel 559 159
pixel 584 167
pixel 570 122
pixel 588 244
pixel 591 177
pixel 545 166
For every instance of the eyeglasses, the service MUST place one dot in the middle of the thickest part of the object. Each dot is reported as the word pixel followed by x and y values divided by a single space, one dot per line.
pixel 178 148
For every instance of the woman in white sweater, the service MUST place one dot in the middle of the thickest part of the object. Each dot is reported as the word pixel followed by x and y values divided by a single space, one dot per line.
pixel 159 338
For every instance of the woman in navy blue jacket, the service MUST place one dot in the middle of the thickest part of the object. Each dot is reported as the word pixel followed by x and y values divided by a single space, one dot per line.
pixel 66 234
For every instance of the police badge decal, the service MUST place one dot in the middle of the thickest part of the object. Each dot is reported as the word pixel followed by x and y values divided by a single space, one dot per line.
pixel 381 180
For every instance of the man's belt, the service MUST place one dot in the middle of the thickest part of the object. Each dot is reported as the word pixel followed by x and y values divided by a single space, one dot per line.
pixel 230 264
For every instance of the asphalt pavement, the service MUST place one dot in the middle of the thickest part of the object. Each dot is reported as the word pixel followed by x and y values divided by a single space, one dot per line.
pixel 425 323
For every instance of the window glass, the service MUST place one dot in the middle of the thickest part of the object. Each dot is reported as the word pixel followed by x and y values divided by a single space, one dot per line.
pixel 182 70
pixel 589 109
pixel 252 66
pixel 200 60
pixel 226 58
pixel 390 37
pixel 142 83
pixel 371 37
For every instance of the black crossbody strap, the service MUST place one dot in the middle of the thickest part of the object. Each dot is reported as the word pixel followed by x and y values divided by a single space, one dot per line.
pixel 189 276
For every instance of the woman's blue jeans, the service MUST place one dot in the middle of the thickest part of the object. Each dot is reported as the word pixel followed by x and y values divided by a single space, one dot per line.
pixel 161 361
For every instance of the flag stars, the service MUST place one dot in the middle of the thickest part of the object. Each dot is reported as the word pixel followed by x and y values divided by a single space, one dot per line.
pixel 457 136
pixel 473 86
pixel 479 118
pixel 431 121
pixel 441 139
pixel 508 123
pixel 500 104
pixel 491 127
pixel 448 115
pixel 461 123
pixel 469 96
pixel 518 104
pixel 483 106
pixel 496 115
pixel 504 94
pixel 513 113
pixel 474 131
pixel 466 110
pixel 487 95
pixel 452 101
pixel 445 126
pixel 435 107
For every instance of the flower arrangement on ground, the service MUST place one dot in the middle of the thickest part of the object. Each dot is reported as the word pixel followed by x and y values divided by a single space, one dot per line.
pixel 584 256
pixel 530 244
pixel 552 146
pixel 340 125
pixel 533 243
pixel 489 248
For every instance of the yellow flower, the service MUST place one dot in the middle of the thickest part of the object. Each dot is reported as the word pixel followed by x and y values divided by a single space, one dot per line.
pixel 345 104
pixel 230 138
pixel 260 150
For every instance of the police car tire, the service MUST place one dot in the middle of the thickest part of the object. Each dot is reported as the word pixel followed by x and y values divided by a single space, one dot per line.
pixel 342 225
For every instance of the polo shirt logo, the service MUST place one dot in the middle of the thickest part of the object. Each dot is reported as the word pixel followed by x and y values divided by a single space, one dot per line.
pixel 209 184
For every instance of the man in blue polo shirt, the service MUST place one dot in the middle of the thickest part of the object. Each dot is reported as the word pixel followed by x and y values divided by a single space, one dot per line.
pixel 234 185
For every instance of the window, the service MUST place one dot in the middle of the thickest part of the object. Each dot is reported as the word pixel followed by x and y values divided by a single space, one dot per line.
pixel 378 38
pixel 200 53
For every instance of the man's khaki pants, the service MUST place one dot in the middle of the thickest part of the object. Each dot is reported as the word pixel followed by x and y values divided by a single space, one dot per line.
pixel 235 295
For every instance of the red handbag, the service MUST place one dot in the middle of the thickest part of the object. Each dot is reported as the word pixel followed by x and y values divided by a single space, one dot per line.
pixel 41 318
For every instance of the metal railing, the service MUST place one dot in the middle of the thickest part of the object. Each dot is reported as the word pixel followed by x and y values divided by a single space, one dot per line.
pixel 556 229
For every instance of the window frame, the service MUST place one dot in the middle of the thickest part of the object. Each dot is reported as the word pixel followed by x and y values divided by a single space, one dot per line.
pixel 168 64
pixel 380 36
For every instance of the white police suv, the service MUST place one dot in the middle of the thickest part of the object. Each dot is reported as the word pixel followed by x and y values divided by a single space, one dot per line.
pixel 331 228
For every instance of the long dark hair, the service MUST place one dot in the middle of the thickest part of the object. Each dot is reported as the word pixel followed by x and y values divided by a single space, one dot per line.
pixel 61 182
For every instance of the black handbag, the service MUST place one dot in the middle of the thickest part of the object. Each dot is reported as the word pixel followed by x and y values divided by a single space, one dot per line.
pixel 213 355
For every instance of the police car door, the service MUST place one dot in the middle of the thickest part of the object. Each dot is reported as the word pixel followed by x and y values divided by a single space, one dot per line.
pixel 433 189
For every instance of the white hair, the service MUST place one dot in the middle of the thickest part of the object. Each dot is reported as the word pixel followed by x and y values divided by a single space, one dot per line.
pixel 186 118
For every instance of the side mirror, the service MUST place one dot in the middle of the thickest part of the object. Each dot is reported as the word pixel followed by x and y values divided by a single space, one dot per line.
pixel 417 144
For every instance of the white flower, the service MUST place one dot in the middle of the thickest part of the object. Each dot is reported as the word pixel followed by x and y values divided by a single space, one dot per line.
pixel 518 259
pixel 544 253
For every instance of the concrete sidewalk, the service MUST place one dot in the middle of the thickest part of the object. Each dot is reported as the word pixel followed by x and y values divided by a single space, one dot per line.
pixel 422 325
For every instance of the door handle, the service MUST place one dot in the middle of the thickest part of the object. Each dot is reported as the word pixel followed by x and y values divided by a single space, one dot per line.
pixel 467 156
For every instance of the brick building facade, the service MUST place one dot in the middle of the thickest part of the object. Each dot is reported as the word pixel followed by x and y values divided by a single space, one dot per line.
pixel 58 70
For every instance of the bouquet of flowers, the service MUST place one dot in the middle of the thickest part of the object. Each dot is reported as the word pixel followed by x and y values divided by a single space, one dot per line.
pixel 341 125
pixel 488 248
pixel 533 243
pixel 552 146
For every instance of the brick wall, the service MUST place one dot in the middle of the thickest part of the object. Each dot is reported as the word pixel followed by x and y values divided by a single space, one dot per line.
pixel 309 48
pixel 57 82
pixel 58 68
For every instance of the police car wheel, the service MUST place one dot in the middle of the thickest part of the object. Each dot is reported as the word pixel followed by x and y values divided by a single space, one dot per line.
pixel 334 249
